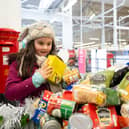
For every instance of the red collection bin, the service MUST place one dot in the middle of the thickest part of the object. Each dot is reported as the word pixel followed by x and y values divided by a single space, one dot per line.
pixel 8 44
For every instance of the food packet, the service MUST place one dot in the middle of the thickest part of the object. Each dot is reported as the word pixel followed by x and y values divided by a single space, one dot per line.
pixel 112 97
pixel 120 72
pixel 123 88
pixel 124 122
pixel 125 110
pixel 103 77
pixel 58 68
pixel 71 76
pixel 84 94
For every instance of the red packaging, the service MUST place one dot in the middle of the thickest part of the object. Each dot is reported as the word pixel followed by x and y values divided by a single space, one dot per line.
pixel 47 94
pixel 123 121
pixel 54 103
pixel 44 100
pixel 68 95
pixel 102 117
pixel 65 124
pixel 59 107
pixel 85 109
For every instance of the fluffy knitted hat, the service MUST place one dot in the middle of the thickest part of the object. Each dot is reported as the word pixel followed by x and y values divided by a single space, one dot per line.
pixel 36 30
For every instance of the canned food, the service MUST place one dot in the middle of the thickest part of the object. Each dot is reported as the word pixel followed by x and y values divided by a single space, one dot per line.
pixel 44 100
pixel 52 124
pixel 49 122
pixel 80 121
pixel 59 107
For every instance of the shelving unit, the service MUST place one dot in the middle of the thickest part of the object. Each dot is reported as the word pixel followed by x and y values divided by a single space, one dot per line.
pixel 95 24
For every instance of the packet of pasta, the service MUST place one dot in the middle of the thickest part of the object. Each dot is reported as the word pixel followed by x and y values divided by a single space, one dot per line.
pixel 83 95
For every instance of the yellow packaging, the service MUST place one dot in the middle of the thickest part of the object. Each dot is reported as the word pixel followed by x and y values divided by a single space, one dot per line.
pixel 58 69
pixel 83 94
pixel 71 76
pixel 125 96
pixel 101 98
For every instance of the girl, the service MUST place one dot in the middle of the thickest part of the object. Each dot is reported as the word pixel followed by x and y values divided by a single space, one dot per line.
pixel 27 78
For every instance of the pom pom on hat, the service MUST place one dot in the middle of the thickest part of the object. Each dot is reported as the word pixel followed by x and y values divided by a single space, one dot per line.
pixel 36 30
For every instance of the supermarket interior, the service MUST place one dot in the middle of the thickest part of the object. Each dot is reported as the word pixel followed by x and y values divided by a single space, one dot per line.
pixel 64 64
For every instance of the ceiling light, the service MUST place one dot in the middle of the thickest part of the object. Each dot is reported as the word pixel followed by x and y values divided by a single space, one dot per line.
pixel 44 4
pixel 108 43
pixel 84 44
pixel 91 17
pixel 96 39
pixel 124 43
pixel 121 39
pixel 69 5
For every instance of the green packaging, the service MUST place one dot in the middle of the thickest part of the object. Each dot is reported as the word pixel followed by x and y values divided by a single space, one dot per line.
pixel 112 96
pixel 67 108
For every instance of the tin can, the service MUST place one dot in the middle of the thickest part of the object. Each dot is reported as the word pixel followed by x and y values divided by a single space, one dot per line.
pixel 124 110
pixel 59 107
pixel 67 108
pixel 49 122
pixel 44 100
pixel 80 121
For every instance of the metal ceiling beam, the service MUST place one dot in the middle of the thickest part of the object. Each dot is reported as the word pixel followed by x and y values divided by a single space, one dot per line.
pixel 55 4
pixel 40 15
pixel 108 11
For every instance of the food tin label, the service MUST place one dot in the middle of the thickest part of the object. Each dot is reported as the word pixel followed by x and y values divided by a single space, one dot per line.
pixel 48 122
pixel 61 106
pixel 104 116
pixel 67 108
pixel 43 105
pixel 44 100
pixel 52 124
pixel 46 95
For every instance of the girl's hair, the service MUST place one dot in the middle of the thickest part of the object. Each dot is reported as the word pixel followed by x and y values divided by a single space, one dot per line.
pixel 29 58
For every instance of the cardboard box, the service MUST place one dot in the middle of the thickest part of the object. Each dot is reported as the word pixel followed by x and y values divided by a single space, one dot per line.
pixel 58 69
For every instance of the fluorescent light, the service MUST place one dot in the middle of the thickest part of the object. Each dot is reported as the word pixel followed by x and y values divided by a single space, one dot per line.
pixel 108 43
pixel 121 39
pixel 91 17
pixel 44 4
pixel 95 45
pixel 75 43
pixel 69 5
pixel 23 1
pixel 94 39
pixel 124 43
pixel 90 43
pixel 92 46
pixel 84 44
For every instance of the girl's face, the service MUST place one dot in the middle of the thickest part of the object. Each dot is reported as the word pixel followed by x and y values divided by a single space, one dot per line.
pixel 43 46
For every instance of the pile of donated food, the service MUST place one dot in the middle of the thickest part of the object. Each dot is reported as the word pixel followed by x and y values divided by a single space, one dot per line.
pixel 97 101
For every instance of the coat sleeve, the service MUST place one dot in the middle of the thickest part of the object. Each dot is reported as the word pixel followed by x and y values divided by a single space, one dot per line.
pixel 16 88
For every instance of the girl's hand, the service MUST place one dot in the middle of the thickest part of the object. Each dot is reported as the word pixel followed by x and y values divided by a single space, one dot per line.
pixel 46 70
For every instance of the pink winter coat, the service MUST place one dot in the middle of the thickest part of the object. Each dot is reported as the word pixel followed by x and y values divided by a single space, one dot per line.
pixel 19 89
